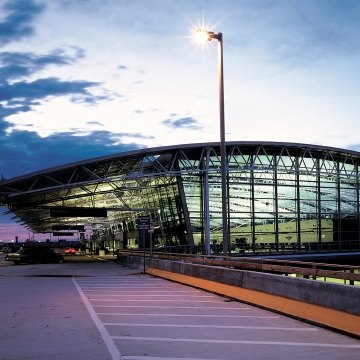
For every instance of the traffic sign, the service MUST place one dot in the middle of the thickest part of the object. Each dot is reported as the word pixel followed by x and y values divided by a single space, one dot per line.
pixel 143 222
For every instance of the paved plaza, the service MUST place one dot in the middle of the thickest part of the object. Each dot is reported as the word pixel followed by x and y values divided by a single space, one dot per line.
pixel 93 308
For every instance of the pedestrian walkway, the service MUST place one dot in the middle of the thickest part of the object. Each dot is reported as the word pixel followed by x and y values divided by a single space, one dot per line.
pixel 99 310
pixel 142 317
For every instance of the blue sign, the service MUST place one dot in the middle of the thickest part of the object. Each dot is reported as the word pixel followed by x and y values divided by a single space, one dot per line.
pixel 143 222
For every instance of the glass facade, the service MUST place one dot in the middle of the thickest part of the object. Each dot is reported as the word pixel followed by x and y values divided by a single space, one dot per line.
pixel 278 199
pixel 281 197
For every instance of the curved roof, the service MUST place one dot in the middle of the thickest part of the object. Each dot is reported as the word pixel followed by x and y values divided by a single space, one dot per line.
pixel 186 147
pixel 101 182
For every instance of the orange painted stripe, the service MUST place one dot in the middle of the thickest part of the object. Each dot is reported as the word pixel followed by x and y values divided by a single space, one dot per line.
pixel 332 318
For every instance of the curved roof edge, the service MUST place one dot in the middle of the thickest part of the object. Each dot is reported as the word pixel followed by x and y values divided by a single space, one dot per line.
pixel 161 149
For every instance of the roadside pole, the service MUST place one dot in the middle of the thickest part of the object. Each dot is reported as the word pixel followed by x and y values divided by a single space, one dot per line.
pixel 151 231
pixel 143 223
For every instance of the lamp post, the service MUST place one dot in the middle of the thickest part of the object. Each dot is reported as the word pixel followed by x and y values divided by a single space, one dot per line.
pixel 205 35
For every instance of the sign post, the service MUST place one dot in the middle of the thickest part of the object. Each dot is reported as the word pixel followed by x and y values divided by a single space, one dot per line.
pixel 143 224
pixel 151 231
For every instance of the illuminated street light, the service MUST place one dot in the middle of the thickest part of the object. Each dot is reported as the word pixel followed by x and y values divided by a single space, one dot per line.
pixel 202 35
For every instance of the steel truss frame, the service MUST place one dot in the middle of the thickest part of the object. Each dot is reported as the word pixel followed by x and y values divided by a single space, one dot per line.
pixel 121 182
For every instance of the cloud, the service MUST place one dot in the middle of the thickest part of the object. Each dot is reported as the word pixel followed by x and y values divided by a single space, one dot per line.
pixel 17 93
pixel 30 153
pixel 95 123
pixel 183 123
pixel 354 147
pixel 15 65
pixel 19 97
pixel 21 90
pixel 17 23
pixel 41 88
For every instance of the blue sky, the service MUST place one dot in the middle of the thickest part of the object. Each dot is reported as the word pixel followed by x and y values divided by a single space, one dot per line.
pixel 83 78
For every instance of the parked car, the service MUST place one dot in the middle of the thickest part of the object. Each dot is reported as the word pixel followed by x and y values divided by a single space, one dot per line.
pixel 10 249
pixel 30 255
pixel 69 251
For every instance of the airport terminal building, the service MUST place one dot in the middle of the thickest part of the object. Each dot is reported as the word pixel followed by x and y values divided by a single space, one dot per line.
pixel 282 197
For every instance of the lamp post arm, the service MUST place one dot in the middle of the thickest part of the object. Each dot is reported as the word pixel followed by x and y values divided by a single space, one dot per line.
pixel 225 236
pixel 202 34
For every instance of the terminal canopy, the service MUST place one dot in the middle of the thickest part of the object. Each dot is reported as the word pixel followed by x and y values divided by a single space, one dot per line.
pixel 278 192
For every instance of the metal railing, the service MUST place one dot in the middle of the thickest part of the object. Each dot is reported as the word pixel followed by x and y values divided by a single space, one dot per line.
pixel 310 270
pixel 267 248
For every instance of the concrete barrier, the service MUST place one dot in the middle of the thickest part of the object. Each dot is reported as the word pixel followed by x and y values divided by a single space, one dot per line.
pixel 341 297
pixel 334 305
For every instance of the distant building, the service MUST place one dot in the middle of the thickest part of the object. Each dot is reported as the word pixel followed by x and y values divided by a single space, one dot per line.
pixel 282 197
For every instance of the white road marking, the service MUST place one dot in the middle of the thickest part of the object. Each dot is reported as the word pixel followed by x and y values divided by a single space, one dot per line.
pixel 142 291
pixel 159 296
pixel 216 326
pixel 142 287
pixel 245 342
pixel 113 350
pixel 124 283
pixel 119 280
pixel 191 315
pixel 171 307
pixel 157 300
pixel 103 295
pixel 161 358
pixel 106 286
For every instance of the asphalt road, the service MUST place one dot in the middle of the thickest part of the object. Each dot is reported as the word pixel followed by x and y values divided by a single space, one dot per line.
pixel 90 308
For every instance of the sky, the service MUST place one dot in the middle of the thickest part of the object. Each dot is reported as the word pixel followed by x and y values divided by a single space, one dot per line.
pixel 84 78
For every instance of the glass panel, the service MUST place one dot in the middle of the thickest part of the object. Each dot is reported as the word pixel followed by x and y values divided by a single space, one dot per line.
pixel 328 182
pixel 286 162
pixel 307 178
pixel 262 161
pixel 328 166
pixel 347 169
pixel 238 160
pixel 307 164
pixel 309 230
pixel 284 204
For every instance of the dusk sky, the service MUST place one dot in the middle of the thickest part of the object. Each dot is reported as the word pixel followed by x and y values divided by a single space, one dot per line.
pixel 87 78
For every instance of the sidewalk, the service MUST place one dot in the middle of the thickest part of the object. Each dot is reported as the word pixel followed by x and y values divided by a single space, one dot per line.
pixel 87 308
